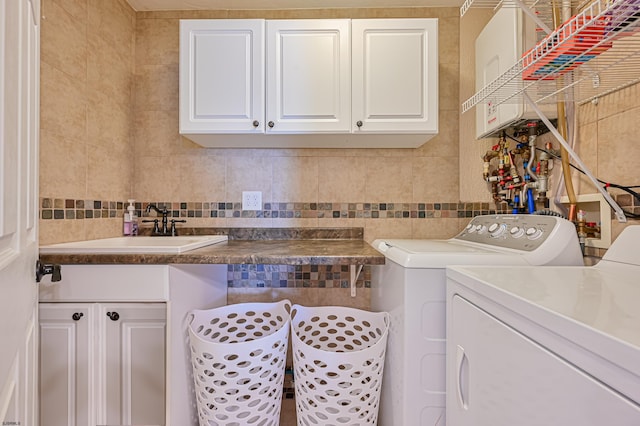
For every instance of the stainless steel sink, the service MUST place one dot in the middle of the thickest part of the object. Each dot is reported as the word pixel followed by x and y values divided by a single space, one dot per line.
pixel 134 245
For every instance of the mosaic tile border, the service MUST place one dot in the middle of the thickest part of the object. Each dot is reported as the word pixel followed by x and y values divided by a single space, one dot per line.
pixel 295 276
pixel 55 209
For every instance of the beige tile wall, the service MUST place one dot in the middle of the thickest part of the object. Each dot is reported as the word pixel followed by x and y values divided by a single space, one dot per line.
pixel 117 136
pixel 472 187
pixel 172 168
pixel 607 143
pixel 86 133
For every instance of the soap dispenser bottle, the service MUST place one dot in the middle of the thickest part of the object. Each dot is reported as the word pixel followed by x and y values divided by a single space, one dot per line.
pixel 134 218
pixel 130 220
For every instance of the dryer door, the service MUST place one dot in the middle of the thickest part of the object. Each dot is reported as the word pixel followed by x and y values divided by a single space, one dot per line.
pixel 498 376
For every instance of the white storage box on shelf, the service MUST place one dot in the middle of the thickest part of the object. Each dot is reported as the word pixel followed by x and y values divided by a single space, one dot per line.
pixel 338 360
pixel 238 357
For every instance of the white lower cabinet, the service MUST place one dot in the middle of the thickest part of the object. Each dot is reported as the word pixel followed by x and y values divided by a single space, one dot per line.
pixel 114 343
pixel 102 363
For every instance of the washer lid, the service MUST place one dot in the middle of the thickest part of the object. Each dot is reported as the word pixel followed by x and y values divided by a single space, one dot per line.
pixel 429 254
pixel 426 246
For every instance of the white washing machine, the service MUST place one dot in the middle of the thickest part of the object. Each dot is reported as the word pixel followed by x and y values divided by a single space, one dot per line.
pixel 551 346
pixel 411 287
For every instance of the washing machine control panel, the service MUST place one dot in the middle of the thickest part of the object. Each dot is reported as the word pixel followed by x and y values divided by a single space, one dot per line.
pixel 519 232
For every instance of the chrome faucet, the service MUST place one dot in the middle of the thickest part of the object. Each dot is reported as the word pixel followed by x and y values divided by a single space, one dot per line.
pixel 165 231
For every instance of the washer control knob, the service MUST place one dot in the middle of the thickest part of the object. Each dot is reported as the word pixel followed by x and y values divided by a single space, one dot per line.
pixel 534 233
pixel 516 232
pixel 497 230
pixel 481 229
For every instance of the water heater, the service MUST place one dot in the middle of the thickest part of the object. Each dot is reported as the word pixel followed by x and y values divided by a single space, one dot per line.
pixel 500 45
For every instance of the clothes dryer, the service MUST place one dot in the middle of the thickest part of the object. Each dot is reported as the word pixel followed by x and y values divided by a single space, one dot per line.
pixel 551 346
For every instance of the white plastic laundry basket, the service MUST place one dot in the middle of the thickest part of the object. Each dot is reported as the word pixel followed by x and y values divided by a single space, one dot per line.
pixel 238 355
pixel 338 360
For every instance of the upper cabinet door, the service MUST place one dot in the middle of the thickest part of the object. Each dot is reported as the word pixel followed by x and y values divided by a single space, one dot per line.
pixel 308 76
pixel 222 76
pixel 395 75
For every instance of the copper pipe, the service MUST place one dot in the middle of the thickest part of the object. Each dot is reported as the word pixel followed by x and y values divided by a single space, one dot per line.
pixel 562 129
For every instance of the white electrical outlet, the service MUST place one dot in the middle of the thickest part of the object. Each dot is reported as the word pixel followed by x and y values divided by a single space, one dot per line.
pixel 251 200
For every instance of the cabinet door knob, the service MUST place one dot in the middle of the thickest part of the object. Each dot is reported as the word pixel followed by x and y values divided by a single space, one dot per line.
pixel 256 123
pixel 76 316
pixel 359 123
pixel 271 124
pixel 114 316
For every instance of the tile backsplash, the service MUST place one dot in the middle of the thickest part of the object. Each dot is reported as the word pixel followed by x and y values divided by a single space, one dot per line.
pixel 55 208
pixel 95 209
pixel 299 276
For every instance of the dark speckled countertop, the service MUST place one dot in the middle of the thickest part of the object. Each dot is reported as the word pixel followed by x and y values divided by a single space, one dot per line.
pixel 270 246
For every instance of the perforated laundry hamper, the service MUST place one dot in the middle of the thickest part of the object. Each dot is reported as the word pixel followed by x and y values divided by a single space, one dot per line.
pixel 338 360
pixel 238 354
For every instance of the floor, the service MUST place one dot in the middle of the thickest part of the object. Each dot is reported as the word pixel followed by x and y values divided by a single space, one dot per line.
pixel 288 412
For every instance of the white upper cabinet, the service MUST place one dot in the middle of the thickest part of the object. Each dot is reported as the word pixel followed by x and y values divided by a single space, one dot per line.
pixel 308 76
pixel 334 83
pixel 221 76
pixel 395 75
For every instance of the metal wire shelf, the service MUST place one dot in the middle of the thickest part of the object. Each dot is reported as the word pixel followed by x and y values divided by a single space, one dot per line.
pixel 594 53
pixel 542 7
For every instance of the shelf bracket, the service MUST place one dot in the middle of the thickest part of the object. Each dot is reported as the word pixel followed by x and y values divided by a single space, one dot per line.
pixel 533 16
pixel 354 277
pixel 618 211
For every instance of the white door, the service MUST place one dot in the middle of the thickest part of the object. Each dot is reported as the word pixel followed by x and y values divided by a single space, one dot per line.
pixel 19 79
pixel 395 75
pixel 308 76
pixel 222 76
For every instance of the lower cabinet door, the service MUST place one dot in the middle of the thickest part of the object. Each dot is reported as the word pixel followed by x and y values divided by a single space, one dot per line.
pixel 65 352
pixel 102 364
pixel 134 362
